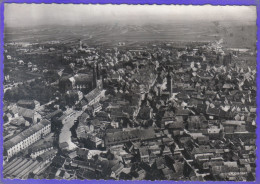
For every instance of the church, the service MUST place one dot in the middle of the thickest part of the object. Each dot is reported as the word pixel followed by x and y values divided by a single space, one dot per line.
pixel 82 82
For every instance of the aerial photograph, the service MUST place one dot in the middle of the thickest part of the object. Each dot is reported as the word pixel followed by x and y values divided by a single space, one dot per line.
pixel 129 92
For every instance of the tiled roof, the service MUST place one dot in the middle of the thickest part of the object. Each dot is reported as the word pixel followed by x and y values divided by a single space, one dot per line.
pixel 48 154
pixel 28 113
pixel 92 95
pixel 53 114
pixel 125 136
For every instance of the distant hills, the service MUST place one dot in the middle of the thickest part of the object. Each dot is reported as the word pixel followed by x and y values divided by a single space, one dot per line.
pixel 233 33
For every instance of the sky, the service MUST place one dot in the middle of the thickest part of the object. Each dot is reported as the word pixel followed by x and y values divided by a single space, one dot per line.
pixel 24 15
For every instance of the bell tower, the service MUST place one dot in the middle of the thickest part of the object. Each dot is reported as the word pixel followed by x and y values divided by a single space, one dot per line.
pixel 169 84
pixel 94 82
pixel 97 77
pixel 80 44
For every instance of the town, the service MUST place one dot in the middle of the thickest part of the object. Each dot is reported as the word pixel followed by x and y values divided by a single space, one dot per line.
pixel 146 111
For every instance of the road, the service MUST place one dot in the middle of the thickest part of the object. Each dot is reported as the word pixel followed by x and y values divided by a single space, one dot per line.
pixel 65 135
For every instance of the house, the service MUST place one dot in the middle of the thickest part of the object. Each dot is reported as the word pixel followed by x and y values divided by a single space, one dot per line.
pixel 114 124
pixel 58 161
pixel 127 158
pixel 176 127
pixel 48 156
pixel 95 141
pixel 34 68
pixel 212 113
pixel 203 140
pixel 73 97
pixel 145 113
pixel 82 153
pixel 160 163
pixel 51 116
pixel 168 174
pixel 116 170
pixel 19 122
pixel 155 149
pixel 115 77
pixel 9 57
pixel 29 65
pixel 182 112
pixel 29 104
pixel 63 145
pixel 30 115
pixel 96 107
pixel 166 151
pixel 141 174
pixel 73 154
pixel 144 154
pixel 122 137
pixel 20 62
pixel 178 167
pixel 196 122
pixel 168 118
pixel 39 150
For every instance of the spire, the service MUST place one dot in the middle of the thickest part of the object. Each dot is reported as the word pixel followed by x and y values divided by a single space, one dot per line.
pixel 169 84
pixel 94 76
pixel 98 72
pixel 80 44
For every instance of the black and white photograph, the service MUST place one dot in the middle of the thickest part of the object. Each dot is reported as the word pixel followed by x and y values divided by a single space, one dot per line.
pixel 129 92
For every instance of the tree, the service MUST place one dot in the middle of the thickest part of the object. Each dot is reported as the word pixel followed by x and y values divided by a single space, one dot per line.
pixel 5 118
pixel 31 175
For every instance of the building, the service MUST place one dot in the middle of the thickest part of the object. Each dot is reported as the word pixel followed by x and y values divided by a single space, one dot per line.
pixel 144 154
pixel 96 107
pixel 83 82
pixel 39 150
pixel 93 97
pixel 227 59
pixel 21 168
pixel 29 104
pixel 122 137
pixel 26 138
pixel 28 114
pixel 80 45
pixel 97 78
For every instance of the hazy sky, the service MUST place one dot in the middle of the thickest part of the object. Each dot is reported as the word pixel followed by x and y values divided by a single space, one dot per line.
pixel 69 14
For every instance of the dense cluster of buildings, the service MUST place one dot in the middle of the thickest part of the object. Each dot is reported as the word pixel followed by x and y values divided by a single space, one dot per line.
pixel 159 112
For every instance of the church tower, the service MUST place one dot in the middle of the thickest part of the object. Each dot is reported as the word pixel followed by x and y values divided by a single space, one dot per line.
pixel 94 83
pixel 80 44
pixel 98 72
pixel 169 84
pixel 97 77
